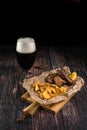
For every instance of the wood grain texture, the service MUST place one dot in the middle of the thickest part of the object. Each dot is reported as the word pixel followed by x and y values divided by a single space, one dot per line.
pixel 72 116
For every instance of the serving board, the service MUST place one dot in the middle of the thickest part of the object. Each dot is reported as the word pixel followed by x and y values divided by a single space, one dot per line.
pixel 33 107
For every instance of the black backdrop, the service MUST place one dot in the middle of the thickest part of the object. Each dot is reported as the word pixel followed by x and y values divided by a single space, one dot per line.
pixel 52 24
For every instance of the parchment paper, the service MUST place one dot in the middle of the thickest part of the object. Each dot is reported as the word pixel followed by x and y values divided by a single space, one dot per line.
pixel 27 84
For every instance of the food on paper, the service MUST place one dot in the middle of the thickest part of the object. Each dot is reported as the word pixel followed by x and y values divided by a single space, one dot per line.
pixel 54 85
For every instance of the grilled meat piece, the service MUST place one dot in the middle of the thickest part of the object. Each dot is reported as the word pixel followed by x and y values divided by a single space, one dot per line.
pixel 59 81
pixel 50 78
pixel 63 74
pixel 60 78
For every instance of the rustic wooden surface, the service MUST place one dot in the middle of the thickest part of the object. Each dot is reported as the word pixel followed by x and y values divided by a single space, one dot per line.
pixel 73 115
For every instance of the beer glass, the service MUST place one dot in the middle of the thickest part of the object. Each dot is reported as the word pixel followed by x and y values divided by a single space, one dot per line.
pixel 25 52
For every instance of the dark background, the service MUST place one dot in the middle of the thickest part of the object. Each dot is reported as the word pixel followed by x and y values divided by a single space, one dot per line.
pixel 49 23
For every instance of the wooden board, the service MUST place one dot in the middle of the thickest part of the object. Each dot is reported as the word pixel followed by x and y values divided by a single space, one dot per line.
pixel 32 108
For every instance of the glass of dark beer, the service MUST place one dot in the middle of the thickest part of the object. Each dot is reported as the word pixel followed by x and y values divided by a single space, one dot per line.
pixel 26 52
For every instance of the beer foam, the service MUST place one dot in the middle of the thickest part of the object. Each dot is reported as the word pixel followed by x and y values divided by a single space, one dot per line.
pixel 26 45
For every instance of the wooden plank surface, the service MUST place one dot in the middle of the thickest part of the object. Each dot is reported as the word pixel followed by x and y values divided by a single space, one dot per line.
pixel 75 60
pixel 72 116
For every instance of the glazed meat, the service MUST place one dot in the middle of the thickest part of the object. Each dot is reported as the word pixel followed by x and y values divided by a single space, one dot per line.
pixel 59 81
pixel 63 74
pixel 60 78
pixel 50 78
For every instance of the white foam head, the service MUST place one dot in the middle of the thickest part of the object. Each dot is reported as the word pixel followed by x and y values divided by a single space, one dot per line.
pixel 26 45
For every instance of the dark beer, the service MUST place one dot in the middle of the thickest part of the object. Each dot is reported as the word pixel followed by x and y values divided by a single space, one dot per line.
pixel 25 60
pixel 25 52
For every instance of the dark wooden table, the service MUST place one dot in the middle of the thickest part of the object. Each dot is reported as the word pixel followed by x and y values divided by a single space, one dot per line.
pixel 73 116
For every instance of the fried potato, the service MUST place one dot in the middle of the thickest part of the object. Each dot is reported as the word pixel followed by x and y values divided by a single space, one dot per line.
pixel 48 91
